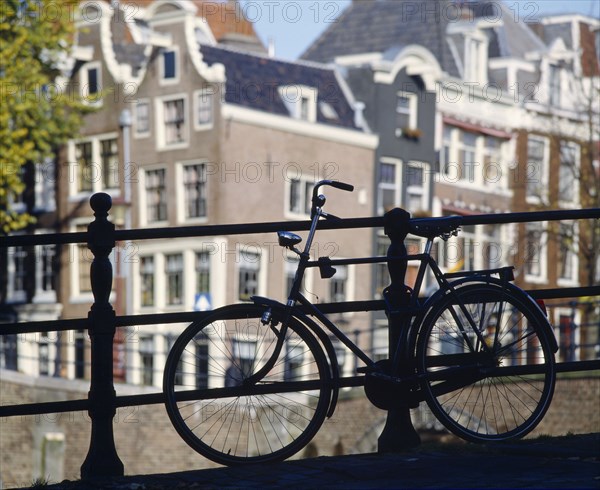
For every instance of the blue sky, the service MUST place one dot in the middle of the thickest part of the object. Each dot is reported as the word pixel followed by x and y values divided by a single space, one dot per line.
pixel 294 24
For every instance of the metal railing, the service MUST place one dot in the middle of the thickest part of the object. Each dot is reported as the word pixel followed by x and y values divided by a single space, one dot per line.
pixel 102 321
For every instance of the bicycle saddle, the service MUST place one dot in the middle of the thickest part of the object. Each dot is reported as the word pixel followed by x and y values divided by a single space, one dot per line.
pixel 434 227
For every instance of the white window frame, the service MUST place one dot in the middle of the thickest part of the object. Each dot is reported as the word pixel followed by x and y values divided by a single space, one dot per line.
pixel 262 269
pixel 143 199
pixel 201 97
pixel 304 198
pixel 97 177
pixel 14 295
pixel 544 177
pixel 177 61
pixel 554 85
pixel 43 295
pixel 412 110
pixel 76 295
pixel 137 133
pixel 422 190
pixel 161 137
pixel 45 185
pixel 84 81
pixel 293 97
pixel 575 176
pixel 542 277
pixel 396 186
pixel 181 202
pixel 573 257
pixel 475 67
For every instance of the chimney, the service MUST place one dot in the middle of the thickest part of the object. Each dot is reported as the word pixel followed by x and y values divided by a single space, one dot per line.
pixel 271 48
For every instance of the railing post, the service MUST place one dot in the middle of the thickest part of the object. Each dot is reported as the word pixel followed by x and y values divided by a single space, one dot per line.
pixel 399 433
pixel 102 459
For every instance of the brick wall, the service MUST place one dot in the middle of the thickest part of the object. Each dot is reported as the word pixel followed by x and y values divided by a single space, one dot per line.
pixel 146 442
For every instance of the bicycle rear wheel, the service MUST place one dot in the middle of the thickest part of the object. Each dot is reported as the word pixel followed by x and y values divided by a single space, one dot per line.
pixel 489 387
pixel 225 418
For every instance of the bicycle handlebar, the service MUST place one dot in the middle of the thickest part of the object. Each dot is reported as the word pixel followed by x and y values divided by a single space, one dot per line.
pixel 319 200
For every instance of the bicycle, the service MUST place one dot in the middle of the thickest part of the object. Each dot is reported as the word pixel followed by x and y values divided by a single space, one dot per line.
pixel 254 382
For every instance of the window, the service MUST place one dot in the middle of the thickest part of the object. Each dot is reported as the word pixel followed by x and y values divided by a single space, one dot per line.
pixel 244 352
pixel 201 361
pixel 300 195
pixel 44 355
pixel 95 165
pixel 202 272
pixel 416 190
pixel 568 177
pixel 249 269
pixel 174 275
pixel 290 265
pixel 45 185
pixel 203 109
pixel 492 247
pixel 79 354
pixel 300 101
pixel 474 62
pixel 84 262
pixel 388 195
pixel 492 164
pixel 554 85
pixel 45 272
pixel 537 167
pixel 156 195
pixel 174 121
pixel 446 145
pixel 406 111
pixel 567 252
pixel 142 118
pixel 91 82
pixel 169 65
pixel 8 352
pixel 535 250
pixel 147 281
pixel 338 285
pixel 194 190
pixel 85 166
pixel 147 359
pixel 380 341
pixel 109 157
pixel 382 276
pixel 17 274
pixel 467 243
pixel 294 356
pixel 467 156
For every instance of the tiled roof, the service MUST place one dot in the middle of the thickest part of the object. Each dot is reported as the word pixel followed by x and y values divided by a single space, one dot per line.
pixel 253 82
pixel 377 25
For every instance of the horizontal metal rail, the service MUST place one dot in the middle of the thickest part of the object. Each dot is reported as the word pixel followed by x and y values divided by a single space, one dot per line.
pixel 159 397
pixel 274 226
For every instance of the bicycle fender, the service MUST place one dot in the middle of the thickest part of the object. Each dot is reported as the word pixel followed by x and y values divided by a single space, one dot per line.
pixel 321 335
pixel 475 280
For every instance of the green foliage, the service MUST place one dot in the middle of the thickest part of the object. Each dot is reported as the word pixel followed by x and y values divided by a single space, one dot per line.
pixel 37 114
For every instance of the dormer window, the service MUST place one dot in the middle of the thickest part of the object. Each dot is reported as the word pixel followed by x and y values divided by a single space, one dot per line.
pixel 300 101
pixel 475 69
pixel 554 85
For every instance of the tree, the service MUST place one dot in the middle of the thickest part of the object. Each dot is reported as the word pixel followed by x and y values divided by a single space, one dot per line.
pixel 37 115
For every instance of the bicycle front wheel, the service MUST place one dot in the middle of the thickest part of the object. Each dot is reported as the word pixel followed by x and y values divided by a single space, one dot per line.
pixel 229 420
pixel 486 363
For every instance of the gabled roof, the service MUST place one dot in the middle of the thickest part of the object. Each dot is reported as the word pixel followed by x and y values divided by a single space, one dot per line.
pixel 253 81
pixel 376 26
